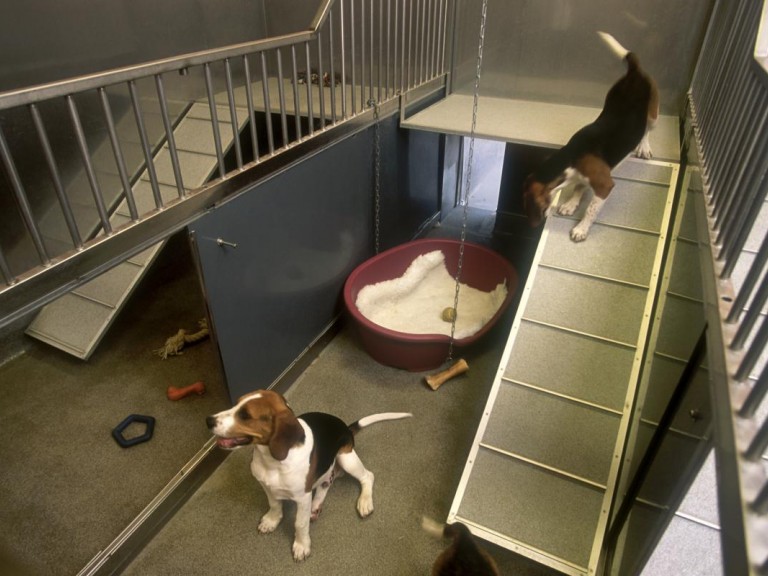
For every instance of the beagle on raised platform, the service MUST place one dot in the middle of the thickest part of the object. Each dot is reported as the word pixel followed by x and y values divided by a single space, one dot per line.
pixel 630 111
pixel 295 458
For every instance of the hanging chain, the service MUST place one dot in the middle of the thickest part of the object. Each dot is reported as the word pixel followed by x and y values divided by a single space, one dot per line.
pixel 376 173
pixel 465 200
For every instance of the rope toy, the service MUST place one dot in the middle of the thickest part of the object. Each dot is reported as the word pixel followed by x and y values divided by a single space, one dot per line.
pixel 176 343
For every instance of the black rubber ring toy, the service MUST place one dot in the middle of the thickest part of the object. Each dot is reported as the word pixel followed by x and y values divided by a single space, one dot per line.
pixel 117 433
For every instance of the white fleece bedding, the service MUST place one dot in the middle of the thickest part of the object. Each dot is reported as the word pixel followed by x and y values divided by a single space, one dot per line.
pixel 414 302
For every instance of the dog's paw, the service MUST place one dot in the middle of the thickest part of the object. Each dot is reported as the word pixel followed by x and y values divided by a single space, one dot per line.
pixel 365 505
pixel 568 208
pixel 315 514
pixel 301 551
pixel 644 151
pixel 579 233
pixel 269 522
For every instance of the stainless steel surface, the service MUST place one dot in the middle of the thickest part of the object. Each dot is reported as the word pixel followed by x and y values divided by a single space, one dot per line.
pixel 728 102
pixel 548 51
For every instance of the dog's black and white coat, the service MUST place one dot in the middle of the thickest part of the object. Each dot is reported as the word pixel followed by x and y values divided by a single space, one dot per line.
pixel 630 110
pixel 295 458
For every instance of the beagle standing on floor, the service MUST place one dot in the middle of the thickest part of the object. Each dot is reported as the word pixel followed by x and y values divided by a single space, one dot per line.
pixel 294 457
pixel 630 111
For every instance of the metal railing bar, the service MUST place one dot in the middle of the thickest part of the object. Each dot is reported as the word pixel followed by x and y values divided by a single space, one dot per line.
pixel 118 153
pixel 295 89
pixel 310 111
pixel 352 51
pixel 343 63
pixel 381 52
pixel 251 108
pixel 751 316
pixel 332 74
pixel 752 355
pixel 214 119
pixel 170 139
pixel 233 114
pixel 21 197
pixel 420 18
pixel 755 397
pixel 388 67
pixel 267 103
pixel 149 162
pixel 321 79
pixel 411 65
pixel 281 95
pixel 402 49
pixel 758 445
pixel 363 99
pixel 88 165
pixel 58 186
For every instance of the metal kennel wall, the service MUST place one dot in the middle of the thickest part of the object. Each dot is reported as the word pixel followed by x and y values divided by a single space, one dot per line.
pixel 727 132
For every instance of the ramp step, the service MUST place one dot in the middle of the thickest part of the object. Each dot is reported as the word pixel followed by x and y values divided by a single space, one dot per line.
pixel 553 430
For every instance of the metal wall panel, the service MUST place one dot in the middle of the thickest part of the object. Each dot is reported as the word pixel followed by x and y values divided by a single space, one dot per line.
pixel 44 40
pixel 548 50
pixel 298 236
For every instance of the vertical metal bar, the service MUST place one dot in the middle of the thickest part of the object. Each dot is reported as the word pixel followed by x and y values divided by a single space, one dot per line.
pixel 389 67
pixel 214 119
pixel 755 397
pixel 267 104
pixel 310 112
pixel 363 99
pixel 251 107
pixel 321 79
pixel 58 186
pixel 370 58
pixel 139 117
pixel 750 281
pixel 119 159
pixel 380 65
pixel 89 172
pixel 758 444
pixel 169 136
pixel 410 60
pixel 750 317
pixel 423 43
pixel 439 44
pixel 428 40
pixel 281 93
pixel 332 70
pixel 343 62
pixel 753 352
pixel 9 277
pixel 402 50
pixel 296 97
pixel 353 52
pixel 760 503
pixel 233 114
pixel 21 198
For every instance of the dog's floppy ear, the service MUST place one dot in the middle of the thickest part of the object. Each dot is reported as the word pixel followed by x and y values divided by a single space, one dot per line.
pixel 286 433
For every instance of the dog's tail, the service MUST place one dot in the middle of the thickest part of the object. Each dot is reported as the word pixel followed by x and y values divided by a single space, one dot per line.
pixel 373 418
pixel 619 50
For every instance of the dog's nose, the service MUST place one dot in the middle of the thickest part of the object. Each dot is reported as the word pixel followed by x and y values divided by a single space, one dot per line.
pixel 210 421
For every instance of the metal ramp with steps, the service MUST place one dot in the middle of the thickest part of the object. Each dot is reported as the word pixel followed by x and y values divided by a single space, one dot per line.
pixel 77 321
pixel 554 427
